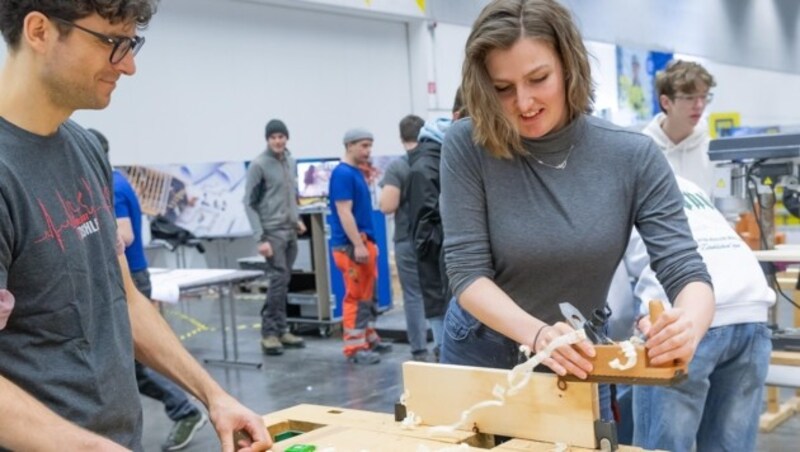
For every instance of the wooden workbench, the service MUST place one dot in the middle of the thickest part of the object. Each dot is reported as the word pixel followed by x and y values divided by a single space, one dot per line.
pixel 778 412
pixel 347 430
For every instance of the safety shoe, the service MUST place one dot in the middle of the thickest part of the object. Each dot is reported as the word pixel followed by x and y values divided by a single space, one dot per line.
pixel 271 345
pixel 183 431
pixel 365 357
pixel 290 340
pixel 421 356
pixel 380 347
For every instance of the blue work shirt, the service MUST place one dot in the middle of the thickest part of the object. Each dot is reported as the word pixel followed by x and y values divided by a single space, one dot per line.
pixel 348 184
pixel 126 205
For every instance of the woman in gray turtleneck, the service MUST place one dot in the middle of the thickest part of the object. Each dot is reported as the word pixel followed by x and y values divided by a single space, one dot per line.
pixel 539 198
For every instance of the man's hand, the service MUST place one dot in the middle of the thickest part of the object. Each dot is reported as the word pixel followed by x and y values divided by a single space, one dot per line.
pixel 6 306
pixel 229 417
pixel 265 249
pixel 671 337
pixel 360 253
pixel 301 227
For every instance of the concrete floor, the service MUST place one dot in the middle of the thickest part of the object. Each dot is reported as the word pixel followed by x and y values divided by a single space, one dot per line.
pixel 317 374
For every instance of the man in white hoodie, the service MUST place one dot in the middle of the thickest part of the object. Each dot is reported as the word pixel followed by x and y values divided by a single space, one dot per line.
pixel 684 91
pixel 718 406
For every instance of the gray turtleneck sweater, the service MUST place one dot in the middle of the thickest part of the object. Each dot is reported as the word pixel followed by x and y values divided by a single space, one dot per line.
pixel 546 235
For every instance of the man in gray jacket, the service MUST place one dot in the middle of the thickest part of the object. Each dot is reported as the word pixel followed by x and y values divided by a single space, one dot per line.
pixel 271 204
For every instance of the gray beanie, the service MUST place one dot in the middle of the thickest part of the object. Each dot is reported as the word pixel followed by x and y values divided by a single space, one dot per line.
pixel 357 134
pixel 276 126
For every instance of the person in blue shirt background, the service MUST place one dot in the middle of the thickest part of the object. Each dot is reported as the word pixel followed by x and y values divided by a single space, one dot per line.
pixel 354 249
pixel 188 418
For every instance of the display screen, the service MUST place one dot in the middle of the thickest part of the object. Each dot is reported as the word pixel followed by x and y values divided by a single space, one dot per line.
pixel 313 177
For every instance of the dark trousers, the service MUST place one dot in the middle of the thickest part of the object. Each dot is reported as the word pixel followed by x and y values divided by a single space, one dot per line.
pixel 279 266
pixel 151 383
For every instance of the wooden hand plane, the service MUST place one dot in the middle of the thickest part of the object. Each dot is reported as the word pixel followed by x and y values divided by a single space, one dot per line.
pixel 611 364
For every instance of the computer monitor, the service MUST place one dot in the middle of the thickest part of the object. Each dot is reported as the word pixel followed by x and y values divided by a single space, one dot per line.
pixel 313 177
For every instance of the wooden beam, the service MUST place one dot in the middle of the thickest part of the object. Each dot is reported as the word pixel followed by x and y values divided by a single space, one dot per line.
pixel 340 438
pixel 536 446
pixel 307 417
pixel 439 393
pixel 784 358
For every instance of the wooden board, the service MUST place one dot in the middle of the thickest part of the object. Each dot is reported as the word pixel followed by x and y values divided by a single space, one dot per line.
pixel 307 417
pixel 784 358
pixel 540 411
pixel 352 439
pixel 536 446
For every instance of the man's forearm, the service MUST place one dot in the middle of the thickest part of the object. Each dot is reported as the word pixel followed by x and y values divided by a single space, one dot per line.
pixel 158 348
pixel 350 228
pixel 29 425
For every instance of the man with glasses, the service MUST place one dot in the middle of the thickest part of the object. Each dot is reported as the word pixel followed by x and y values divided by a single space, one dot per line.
pixel 684 91
pixel 67 348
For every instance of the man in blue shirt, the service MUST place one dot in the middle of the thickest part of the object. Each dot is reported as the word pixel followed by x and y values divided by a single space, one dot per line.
pixel 187 417
pixel 354 249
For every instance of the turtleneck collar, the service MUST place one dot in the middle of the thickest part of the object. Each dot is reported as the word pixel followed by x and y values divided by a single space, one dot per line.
pixel 559 141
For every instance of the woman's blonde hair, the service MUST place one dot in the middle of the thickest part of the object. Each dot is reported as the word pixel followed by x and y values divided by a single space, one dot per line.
pixel 501 24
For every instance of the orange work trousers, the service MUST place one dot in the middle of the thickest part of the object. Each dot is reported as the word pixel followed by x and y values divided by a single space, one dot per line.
pixel 358 306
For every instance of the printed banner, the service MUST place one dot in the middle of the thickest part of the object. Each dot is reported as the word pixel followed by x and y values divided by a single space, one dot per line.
pixel 206 199
pixel 636 76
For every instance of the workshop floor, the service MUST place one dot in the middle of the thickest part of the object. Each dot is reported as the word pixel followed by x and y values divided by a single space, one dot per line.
pixel 317 374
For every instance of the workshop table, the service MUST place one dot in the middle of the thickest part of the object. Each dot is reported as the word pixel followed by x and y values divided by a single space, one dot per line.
pixel 780 361
pixel 224 280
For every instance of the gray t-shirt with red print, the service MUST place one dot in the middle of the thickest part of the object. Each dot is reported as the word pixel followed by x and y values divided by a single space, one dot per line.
pixel 68 339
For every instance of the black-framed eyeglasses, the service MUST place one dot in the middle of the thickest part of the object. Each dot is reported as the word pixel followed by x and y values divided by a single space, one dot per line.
pixel 120 45
pixel 706 98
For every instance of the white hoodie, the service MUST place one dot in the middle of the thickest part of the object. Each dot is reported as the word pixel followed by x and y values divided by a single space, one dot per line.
pixel 740 288
pixel 689 158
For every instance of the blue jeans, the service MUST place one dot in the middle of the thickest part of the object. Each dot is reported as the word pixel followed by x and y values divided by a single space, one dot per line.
pixel 437 328
pixel 416 326
pixel 468 342
pixel 151 383
pixel 719 405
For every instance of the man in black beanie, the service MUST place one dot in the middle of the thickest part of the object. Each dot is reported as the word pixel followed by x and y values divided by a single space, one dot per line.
pixel 271 204
pixel 277 126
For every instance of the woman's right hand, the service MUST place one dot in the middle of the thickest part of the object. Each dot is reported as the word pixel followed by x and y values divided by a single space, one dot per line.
pixel 567 358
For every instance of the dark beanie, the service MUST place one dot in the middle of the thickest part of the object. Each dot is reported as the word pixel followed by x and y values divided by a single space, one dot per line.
pixel 276 126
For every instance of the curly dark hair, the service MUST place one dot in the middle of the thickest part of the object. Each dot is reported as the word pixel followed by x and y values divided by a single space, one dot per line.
pixel 13 12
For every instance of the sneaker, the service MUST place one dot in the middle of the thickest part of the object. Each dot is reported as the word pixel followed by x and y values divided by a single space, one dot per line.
pixel 365 357
pixel 290 340
pixel 183 431
pixel 271 345
pixel 421 356
pixel 380 347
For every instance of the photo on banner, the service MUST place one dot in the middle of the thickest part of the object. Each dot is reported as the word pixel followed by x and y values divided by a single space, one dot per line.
pixel 206 199
pixel 636 77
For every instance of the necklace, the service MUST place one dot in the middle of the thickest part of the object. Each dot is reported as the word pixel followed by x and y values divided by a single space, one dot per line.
pixel 560 166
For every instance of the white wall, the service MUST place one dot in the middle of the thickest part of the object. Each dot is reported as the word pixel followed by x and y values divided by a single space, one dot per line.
pixel 750 33
pixel 212 73
pixel 763 98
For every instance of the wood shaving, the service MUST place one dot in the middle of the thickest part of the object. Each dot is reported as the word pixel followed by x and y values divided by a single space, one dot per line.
pixel 629 351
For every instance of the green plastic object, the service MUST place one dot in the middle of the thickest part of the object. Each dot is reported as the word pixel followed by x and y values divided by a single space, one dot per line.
pixel 301 448
pixel 286 435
